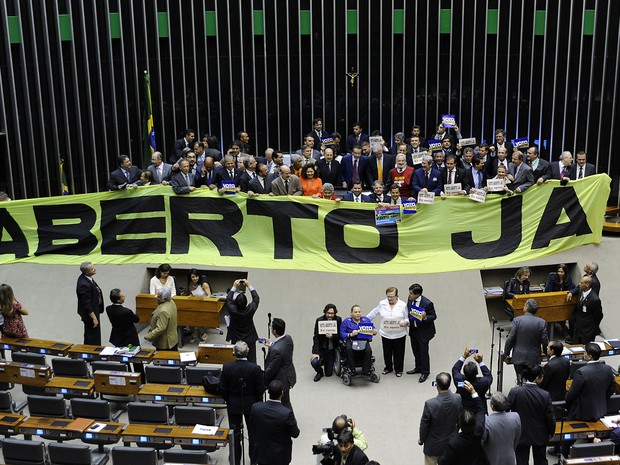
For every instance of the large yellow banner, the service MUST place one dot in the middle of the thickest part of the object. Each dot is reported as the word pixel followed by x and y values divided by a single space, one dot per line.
pixel 152 225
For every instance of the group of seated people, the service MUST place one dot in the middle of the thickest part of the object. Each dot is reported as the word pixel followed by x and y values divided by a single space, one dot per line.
pixel 324 165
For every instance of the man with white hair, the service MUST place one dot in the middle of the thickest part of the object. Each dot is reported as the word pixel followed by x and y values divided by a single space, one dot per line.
pixel 563 169
pixel 378 166
pixel 90 303
pixel 163 327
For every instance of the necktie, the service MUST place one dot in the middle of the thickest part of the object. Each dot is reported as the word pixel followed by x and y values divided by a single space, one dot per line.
pixel 262 182
pixel 380 170
pixel 98 291
pixel 286 186
pixel 517 171
pixel 357 138
pixel 319 134
pixel 127 175
pixel 329 168
pixel 186 178
pixel 427 175
pixel 355 177
pixel 451 179
pixel 580 173
pixel 159 173
pixel 357 199
pixel 479 175
pixel 231 174
pixel 563 174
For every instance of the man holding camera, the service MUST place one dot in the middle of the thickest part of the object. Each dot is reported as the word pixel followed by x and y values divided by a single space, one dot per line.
pixel 328 444
pixel 241 326
pixel 470 373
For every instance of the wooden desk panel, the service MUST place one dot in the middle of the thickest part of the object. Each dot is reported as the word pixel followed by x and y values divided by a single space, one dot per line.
pixel 216 354
pixel 174 393
pixel 85 351
pixel 191 311
pixel 144 356
pixel 117 382
pixel 571 431
pixel 171 434
pixel 552 306
pixel 71 386
pixel 198 395
pixel 9 423
pixel 171 358
pixel 38 346
pixel 40 426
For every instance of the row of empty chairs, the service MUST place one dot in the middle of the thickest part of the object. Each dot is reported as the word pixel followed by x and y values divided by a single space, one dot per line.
pixel 27 452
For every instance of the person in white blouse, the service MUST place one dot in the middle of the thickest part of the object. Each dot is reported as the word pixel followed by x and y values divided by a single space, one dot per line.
pixel 394 323
pixel 161 279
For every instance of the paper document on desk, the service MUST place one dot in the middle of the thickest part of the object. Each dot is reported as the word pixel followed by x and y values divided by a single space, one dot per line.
pixel 96 427
pixel 600 344
pixel 187 356
pixel 108 351
pixel 566 351
pixel 611 421
pixel 204 429
pixel 577 350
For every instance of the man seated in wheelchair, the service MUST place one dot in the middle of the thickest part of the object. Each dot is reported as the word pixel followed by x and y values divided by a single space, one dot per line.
pixel 356 332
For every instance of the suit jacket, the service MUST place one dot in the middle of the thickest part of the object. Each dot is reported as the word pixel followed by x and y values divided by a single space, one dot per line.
pixel 382 198
pixel 434 183
pixel 271 427
pixel 317 139
pixel 438 422
pixel 509 149
pixel 556 372
pixel 222 174
pixel 524 179
pixel 533 404
pixel 481 385
pixel 346 169
pixel 587 322
pixel 163 331
pixel 588 170
pixel 353 142
pixel 166 173
pixel 178 147
pixel 556 171
pixel 279 362
pixel 348 197
pixel 320 342
pixel 543 170
pixel 528 336
pixel 469 179
pixel 118 178
pixel 241 327
pixel 242 386
pixel 90 298
pixel 244 181
pixel 123 328
pixel 502 431
pixel 424 329
pixel 294 186
pixel 372 172
pixel 256 187
pixel 466 448
pixel 180 185
pixel 356 457
pixel 332 174
pixel 491 166
pixel 587 397
pixel 459 177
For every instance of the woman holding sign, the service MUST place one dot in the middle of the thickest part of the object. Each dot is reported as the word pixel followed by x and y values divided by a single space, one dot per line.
pixel 393 330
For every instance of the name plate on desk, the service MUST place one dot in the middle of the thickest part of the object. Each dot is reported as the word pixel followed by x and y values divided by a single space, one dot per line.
pixel 25 373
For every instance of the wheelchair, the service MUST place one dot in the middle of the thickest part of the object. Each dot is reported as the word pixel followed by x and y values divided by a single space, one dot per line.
pixel 342 369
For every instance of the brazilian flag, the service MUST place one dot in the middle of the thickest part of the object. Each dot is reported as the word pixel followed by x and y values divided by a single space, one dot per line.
pixel 148 142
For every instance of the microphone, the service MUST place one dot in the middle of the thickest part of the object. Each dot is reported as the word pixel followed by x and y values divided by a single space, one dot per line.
pixel 501 330
pixel 269 316
pixel 493 319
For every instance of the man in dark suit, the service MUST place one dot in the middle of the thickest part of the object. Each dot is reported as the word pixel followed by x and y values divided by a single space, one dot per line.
pixel 355 139
pixel 226 174
pixel 527 338
pixel 592 385
pixel 556 371
pixel 475 177
pixel 533 404
pixel 161 171
pixel 422 318
pixel 427 178
pixel 378 196
pixel 347 452
pixel 329 168
pixel 588 313
pixel 519 173
pixel 500 141
pixel 272 426
pixel 452 174
pixel 279 363
pixel 125 176
pixel 465 447
pixel 261 184
pixel 318 133
pixel 123 321
pixel 353 167
pixel 493 162
pixel 186 142
pixel 241 326
pixel 562 170
pixel 90 304
pixel 183 182
pixel 242 386
pixel 248 174
pixel 470 374
pixel 439 419
pixel 541 169
pixel 355 195
pixel 378 166
pixel 582 169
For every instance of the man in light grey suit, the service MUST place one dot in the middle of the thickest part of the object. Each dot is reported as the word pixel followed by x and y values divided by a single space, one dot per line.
pixel 439 420
pixel 520 174
pixel 286 183
pixel 183 181
pixel 502 430
pixel 527 338
pixel 161 171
